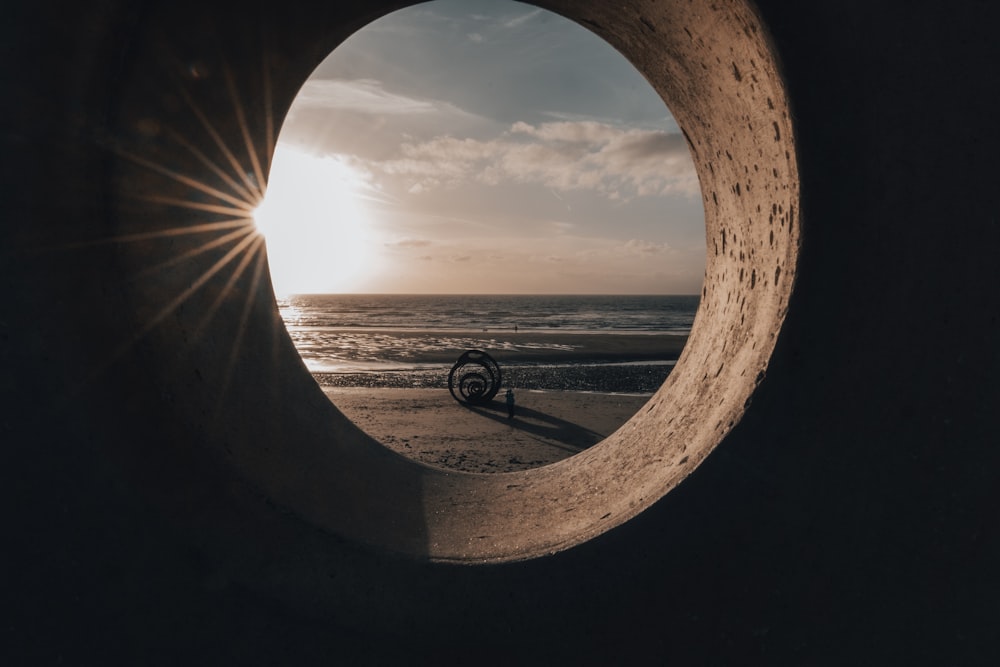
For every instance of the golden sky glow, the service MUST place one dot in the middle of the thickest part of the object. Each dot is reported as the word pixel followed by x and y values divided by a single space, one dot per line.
pixel 321 237
pixel 477 146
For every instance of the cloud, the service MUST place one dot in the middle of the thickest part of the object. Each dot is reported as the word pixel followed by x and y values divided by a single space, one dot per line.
pixel 408 243
pixel 580 132
pixel 561 227
pixel 522 19
pixel 635 246
pixel 365 96
pixel 562 156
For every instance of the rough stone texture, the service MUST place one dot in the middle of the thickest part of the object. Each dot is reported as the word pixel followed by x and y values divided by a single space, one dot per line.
pixel 180 492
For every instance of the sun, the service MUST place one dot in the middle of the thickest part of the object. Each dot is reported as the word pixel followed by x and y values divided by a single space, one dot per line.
pixel 319 232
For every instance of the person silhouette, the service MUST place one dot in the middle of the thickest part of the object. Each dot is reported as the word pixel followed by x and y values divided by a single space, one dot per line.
pixel 510 403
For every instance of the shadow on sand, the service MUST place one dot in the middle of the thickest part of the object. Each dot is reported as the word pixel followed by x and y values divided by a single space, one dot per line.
pixel 540 426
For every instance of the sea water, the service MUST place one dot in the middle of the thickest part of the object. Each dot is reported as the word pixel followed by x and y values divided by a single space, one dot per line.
pixel 361 332
pixel 668 314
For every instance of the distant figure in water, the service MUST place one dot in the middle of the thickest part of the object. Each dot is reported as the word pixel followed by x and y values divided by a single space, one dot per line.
pixel 510 404
pixel 515 328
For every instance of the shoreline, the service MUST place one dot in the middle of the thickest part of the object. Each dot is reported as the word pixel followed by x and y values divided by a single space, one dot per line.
pixel 494 330
pixel 631 378
pixel 407 349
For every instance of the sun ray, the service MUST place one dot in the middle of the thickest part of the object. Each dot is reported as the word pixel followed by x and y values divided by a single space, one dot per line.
pixel 191 230
pixel 186 180
pixel 250 191
pixel 197 206
pixel 224 292
pixel 201 228
pixel 245 191
pixel 234 162
pixel 195 286
pixel 194 252
pixel 100 368
pixel 242 326
pixel 244 128
pixel 269 139
pixel 246 194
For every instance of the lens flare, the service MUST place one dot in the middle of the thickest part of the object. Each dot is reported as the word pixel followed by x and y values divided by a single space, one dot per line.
pixel 319 231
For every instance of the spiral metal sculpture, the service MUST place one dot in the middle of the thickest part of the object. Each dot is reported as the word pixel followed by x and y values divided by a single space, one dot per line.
pixel 475 378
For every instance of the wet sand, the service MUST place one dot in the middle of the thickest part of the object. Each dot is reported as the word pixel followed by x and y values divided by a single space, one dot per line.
pixel 637 378
pixel 429 426
pixel 443 346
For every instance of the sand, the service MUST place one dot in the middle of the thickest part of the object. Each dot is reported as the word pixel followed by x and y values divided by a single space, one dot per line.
pixel 429 426
pixel 573 389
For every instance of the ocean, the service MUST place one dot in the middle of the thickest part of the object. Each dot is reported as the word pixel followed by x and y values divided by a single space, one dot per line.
pixel 412 340
pixel 462 312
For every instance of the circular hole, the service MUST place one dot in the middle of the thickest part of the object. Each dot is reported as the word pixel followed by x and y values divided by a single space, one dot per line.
pixel 499 180
pixel 236 395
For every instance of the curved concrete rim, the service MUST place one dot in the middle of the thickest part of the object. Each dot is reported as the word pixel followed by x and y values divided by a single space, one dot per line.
pixel 715 68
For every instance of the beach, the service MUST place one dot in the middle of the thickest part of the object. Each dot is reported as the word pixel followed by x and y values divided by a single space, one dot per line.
pixel 580 367
pixel 429 426
pixel 571 392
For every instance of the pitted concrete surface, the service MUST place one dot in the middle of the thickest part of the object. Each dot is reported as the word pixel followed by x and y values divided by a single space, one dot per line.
pixel 273 428
pixel 172 464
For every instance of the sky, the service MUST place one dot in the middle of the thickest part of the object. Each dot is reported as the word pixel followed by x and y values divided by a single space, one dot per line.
pixel 481 147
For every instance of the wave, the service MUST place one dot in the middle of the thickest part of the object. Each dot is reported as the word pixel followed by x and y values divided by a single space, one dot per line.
pixel 333 330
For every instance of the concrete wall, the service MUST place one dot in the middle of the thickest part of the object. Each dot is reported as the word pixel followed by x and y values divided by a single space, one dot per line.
pixel 181 491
